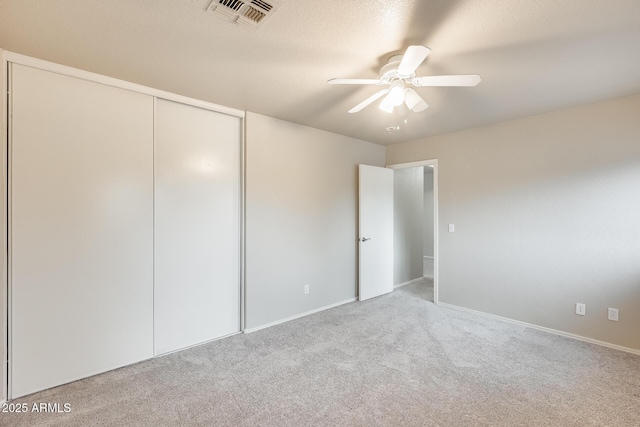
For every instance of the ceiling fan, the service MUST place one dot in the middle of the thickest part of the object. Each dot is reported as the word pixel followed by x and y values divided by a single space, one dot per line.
pixel 399 73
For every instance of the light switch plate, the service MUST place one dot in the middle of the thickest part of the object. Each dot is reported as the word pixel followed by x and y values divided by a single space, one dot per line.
pixel 452 228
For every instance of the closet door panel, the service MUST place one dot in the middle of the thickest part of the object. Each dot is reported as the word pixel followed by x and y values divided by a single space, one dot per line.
pixel 81 253
pixel 197 225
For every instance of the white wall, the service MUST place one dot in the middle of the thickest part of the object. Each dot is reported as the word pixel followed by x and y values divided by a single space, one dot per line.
pixel 408 224
pixel 301 217
pixel 546 211
pixel 428 213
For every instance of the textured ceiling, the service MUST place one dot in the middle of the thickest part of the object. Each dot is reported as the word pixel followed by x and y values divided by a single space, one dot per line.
pixel 533 56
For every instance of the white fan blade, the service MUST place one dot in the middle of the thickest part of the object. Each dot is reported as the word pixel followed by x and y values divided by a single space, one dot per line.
pixel 414 101
pixel 459 80
pixel 369 100
pixel 412 59
pixel 354 82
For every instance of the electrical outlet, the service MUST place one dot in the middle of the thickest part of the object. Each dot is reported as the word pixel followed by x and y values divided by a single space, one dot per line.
pixel 306 289
pixel 581 309
pixel 613 314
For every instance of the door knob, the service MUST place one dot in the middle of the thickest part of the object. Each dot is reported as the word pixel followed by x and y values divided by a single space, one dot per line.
pixel 364 239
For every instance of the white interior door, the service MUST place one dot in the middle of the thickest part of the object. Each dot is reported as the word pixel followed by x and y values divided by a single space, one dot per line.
pixel 197 226
pixel 81 224
pixel 376 231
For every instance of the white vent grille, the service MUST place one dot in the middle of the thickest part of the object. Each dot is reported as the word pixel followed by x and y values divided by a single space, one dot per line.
pixel 249 14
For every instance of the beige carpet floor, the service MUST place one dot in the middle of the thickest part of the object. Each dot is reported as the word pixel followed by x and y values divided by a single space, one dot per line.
pixel 397 360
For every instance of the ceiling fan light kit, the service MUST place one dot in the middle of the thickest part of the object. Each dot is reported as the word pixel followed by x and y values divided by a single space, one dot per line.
pixel 400 71
pixel 387 105
pixel 396 93
pixel 414 101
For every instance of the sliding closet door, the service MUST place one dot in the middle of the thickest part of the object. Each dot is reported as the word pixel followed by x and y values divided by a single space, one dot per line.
pixel 197 225
pixel 81 243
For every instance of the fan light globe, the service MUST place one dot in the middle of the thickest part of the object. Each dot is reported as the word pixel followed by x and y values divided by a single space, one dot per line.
pixel 412 98
pixel 396 93
pixel 394 98
pixel 386 105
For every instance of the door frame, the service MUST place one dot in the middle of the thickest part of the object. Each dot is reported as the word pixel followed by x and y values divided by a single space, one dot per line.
pixel 436 258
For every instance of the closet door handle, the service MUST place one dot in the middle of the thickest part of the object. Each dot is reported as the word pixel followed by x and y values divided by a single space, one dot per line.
pixel 364 239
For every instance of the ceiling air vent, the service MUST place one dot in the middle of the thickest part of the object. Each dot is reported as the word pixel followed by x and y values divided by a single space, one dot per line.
pixel 249 14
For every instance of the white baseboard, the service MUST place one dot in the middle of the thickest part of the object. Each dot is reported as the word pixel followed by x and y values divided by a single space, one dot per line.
pixel 297 316
pixel 192 345
pixel 542 328
pixel 399 285
pixel 430 257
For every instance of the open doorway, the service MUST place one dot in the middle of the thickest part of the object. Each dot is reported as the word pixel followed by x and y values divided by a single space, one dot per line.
pixel 415 228
pixel 428 224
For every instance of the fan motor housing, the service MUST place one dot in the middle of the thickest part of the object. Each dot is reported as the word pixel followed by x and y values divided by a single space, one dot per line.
pixel 389 72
